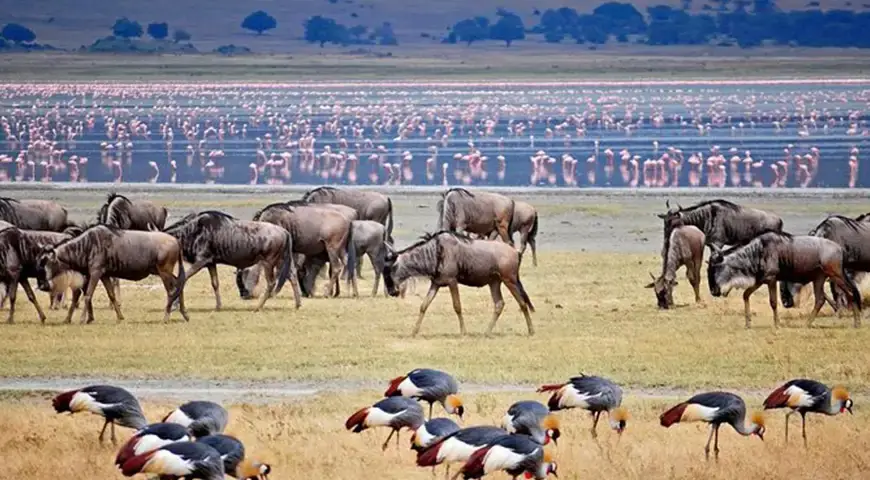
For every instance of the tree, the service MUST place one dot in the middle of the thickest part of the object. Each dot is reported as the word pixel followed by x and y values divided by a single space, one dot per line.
pixel 553 36
pixel 259 22
pixel 508 28
pixel 180 36
pixel 386 35
pixel 358 31
pixel 17 33
pixel 324 30
pixel 158 31
pixel 620 18
pixel 126 28
pixel 471 30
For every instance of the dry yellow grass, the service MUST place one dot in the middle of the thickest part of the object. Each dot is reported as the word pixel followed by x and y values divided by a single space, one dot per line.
pixel 307 440
pixel 592 315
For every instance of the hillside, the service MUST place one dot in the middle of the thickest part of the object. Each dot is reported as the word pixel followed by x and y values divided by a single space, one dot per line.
pixel 71 24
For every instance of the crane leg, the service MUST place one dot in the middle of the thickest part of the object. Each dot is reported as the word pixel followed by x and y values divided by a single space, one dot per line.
pixel 804 427
pixel 387 442
pixel 114 439
pixel 595 416
pixel 786 424
pixel 716 443
pixel 709 439
pixel 397 441
pixel 430 410
pixel 447 472
pixel 103 431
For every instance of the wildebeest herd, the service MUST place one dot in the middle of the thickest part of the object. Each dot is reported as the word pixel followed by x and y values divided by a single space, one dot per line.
pixel 284 241
pixel 761 253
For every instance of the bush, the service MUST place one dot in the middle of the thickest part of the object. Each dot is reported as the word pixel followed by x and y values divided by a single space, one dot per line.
pixel 158 31
pixel 126 28
pixel 471 30
pixel 17 33
pixel 180 35
pixel 259 22
pixel 508 28
pixel 325 30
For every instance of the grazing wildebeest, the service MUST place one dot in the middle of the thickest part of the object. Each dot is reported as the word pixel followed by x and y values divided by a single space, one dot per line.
pixel 369 205
pixel 121 212
pixel 525 222
pixel 723 222
pixel 685 247
pixel 19 251
pixel 449 259
pixel 210 238
pixel 315 230
pixel 478 212
pixel 779 256
pixel 101 253
pixel 33 214
pixel 854 237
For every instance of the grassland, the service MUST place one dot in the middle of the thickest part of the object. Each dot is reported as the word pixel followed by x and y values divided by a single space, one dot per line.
pixel 521 63
pixel 308 440
pixel 592 315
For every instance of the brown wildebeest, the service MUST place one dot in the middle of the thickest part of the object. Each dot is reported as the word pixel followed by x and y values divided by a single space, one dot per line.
pixel 779 256
pixel 478 212
pixel 101 253
pixel 369 205
pixel 723 222
pixel 686 247
pixel 121 212
pixel 526 223
pixel 210 238
pixel 34 214
pixel 314 230
pixel 449 259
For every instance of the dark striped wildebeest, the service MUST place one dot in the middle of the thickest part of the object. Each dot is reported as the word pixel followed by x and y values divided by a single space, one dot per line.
pixel 449 259
pixel 778 256
pixel 210 238
pixel 854 237
pixel 101 253
pixel 19 252
pixel 34 214
pixel 686 247
pixel 525 223
pixel 478 212
pixel 723 222
pixel 369 205
pixel 120 212
pixel 315 230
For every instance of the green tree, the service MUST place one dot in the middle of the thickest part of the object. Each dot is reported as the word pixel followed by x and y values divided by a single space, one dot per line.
pixel 259 22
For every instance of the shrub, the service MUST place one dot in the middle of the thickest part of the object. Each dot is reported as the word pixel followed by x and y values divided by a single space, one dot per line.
pixel 259 22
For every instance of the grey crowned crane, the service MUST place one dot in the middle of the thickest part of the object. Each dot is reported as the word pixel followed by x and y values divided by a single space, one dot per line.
pixel 808 396
pixel 393 412
pixel 236 463
pixel 201 418
pixel 595 394
pixel 431 386
pixel 151 438
pixel 114 404
pixel 715 408
pixel 534 419
pixel 514 454
pixel 458 446
pixel 190 460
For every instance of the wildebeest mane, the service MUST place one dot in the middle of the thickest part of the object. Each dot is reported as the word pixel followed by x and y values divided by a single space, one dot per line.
pixel 280 205
pixel 862 217
pixel 427 237
pixel 458 190
pixel 718 202
pixel 855 225
pixel 112 230
pixel 311 192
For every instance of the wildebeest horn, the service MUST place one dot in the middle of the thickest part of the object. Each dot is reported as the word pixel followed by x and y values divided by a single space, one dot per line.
pixel 652 276
pixel 668 204
pixel 679 207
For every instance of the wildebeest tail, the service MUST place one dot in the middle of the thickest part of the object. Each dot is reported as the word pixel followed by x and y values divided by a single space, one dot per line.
pixel 853 287
pixel 525 295
pixel 288 262
pixel 350 251
pixel 533 233
pixel 389 219
pixel 511 219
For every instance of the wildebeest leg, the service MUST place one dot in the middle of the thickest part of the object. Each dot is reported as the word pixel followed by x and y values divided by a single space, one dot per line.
pixel 771 293
pixel 77 295
pixel 32 297
pixel 497 304
pixel 514 289
pixel 819 296
pixel 504 232
pixel 433 290
pixel 93 278
pixel 269 272
pixel 12 293
pixel 169 283
pixel 336 265
pixel 215 285
pixel 531 242
pixel 109 283
pixel 746 294
pixel 850 292
pixel 457 306
pixel 116 284
pixel 694 276
pixel 378 268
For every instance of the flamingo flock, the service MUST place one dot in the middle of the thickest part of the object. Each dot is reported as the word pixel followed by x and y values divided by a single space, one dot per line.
pixel 714 136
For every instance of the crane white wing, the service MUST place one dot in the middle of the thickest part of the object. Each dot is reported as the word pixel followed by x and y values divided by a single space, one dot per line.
pixel 453 450
pixel 501 458
pixel 179 417
pixel 798 397
pixel 380 418
pixel 168 463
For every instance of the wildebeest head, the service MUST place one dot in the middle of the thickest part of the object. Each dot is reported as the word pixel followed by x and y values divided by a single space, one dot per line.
pixel 727 272
pixel 788 293
pixel 389 270
pixel 247 280
pixel 673 218
pixel 54 275
pixel 663 289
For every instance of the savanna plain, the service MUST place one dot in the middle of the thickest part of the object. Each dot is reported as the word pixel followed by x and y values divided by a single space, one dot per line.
pixel 291 377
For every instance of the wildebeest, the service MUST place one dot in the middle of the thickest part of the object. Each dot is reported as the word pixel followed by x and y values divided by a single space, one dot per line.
pixel 19 251
pixel 854 237
pixel 478 212
pixel 525 222
pixel 685 247
pixel 101 253
pixel 779 256
pixel 314 230
pixel 210 238
pixel 723 222
pixel 33 214
pixel 449 259
pixel 369 205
